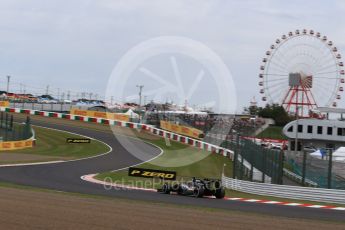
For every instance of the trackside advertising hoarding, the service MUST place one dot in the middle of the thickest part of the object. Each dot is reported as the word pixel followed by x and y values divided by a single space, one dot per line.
pixel 4 103
pixel 183 130
pixel 152 173
pixel 13 145
pixel 89 113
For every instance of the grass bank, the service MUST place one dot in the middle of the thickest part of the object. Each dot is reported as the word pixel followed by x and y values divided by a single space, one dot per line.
pixel 52 145
pixel 272 132
pixel 186 161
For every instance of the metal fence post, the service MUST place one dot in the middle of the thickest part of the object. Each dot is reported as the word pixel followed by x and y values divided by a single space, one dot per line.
pixel 13 134
pixel 251 167
pixel 11 123
pixel 304 167
pixel 2 119
pixel 242 168
pixel 6 126
pixel 234 171
pixel 281 166
pixel 263 165
pixel 330 165
pixel 272 166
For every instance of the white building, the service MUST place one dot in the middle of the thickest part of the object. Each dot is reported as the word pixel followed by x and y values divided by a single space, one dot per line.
pixel 316 133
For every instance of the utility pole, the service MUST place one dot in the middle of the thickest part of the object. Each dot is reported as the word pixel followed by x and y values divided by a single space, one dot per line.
pixel 8 83
pixel 47 90
pixel 140 93
pixel 58 94
pixel 111 100
pixel 145 97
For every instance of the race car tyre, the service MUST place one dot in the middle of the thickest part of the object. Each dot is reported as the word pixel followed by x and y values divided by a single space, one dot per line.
pixel 199 192
pixel 220 193
pixel 166 189
pixel 179 191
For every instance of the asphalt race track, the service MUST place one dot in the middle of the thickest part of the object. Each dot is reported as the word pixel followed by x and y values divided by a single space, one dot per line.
pixel 66 177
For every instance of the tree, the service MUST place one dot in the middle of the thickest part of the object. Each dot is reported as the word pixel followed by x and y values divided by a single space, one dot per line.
pixel 251 110
pixel 275 112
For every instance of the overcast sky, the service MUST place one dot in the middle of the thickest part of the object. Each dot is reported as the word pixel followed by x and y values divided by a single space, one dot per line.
pixel 75 45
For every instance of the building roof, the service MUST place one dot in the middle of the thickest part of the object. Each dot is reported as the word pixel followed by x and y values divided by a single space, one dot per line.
pixel 331 110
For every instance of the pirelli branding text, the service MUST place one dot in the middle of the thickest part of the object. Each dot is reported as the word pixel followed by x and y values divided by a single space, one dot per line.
pixel 78 140
pixel 151 173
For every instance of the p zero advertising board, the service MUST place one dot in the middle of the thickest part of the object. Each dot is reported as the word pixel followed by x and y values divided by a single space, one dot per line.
pixel 152 173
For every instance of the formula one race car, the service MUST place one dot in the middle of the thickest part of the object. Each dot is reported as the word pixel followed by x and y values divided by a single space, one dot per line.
pixel 196 188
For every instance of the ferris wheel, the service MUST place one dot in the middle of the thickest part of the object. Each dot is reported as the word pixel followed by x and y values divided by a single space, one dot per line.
pixel 302 71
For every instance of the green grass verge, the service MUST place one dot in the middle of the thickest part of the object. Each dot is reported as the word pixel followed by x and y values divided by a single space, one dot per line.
pixel 272 132
pixel 198 163
pixel 53 143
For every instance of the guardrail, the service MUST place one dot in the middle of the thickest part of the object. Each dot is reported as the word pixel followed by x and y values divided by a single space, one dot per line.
pixel 285 191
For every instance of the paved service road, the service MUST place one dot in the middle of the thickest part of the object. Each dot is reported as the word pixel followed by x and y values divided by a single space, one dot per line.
pixel 66 177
